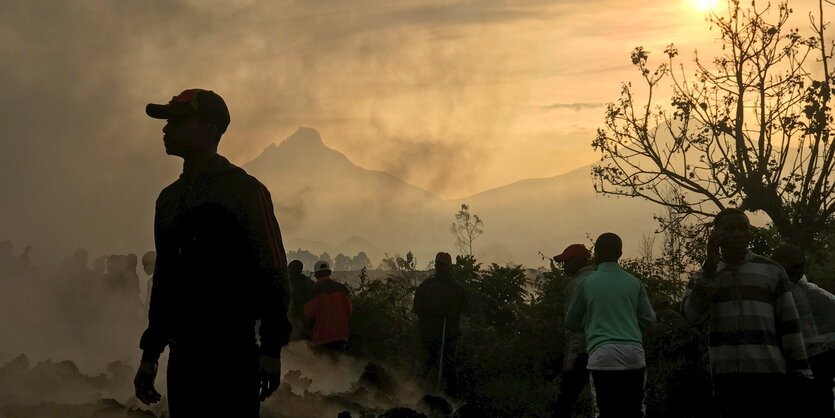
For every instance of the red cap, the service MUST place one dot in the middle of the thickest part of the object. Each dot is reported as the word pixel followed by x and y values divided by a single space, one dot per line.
pixel 573 250
pixel 443 257
pixel 204 103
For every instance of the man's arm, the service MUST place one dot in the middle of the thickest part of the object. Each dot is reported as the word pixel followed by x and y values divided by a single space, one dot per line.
pixel 787 324
pixel 646 315
pixel 270 271
pixel 155 337
pixel 698 298
pixel 574 316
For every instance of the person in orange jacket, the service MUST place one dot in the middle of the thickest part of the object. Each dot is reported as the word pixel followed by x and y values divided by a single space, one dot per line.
pixel 328 310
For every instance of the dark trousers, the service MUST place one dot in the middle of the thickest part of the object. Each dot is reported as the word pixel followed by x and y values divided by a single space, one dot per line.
pixel 223 384
pixel 821 397
pixel 620 393
pixel 572 382
pixel 761 395
pixel 430 364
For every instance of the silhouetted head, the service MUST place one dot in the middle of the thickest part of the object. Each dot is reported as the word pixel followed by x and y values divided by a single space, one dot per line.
pixel 321 269
pixel 149 261
pixel 608 248
pixel 131 261
pixel 115 263
pixel 81 258
pixel 792 259
pixel 295 267
pixel 443 265
pixel 196 119
pixel 573 258
pixel 737 231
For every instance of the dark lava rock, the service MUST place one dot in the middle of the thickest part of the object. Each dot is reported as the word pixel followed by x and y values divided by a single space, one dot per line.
pixel 400 412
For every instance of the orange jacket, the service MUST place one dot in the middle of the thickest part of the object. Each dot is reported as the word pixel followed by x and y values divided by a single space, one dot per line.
pixel 329 309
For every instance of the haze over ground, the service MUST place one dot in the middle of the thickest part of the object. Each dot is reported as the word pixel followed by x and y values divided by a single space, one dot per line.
pixel 453 97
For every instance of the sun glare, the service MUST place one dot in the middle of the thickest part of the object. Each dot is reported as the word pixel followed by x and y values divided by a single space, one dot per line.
pixel 704 5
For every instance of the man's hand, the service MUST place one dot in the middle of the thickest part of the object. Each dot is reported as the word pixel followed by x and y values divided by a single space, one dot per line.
pixel 714 241
pixel 143 383
pixel 269 375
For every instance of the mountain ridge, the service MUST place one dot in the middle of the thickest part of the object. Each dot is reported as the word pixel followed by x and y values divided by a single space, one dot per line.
pixel 322 196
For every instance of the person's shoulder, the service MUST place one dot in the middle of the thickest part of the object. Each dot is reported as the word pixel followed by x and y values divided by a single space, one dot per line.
pixel 765 264
pixel 241 178
pixel 171 191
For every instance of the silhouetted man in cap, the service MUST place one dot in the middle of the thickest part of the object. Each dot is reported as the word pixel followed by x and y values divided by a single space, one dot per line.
pixel 816 310
pixel 220 267
pixel 576 263
pixel 754 333
pixel 612 307
pixel 439 303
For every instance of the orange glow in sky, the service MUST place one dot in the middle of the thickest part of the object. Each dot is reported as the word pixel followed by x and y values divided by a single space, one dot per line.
pixel 705 5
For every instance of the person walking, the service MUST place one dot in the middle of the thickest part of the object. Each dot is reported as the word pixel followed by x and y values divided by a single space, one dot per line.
pixel 301 291
pixel 328 311
pixel 439 302
pixel 754 335
pixel 220 267
pixel 611 306
pixel 816 310
pixel 577 265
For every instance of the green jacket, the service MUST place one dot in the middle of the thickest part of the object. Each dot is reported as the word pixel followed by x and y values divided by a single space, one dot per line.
pixel 611 306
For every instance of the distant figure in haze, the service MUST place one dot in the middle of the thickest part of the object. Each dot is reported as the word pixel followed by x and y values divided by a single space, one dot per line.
pixel 115 277
pixel 220 267
pixel 328 310
pixel 439 303
pixel 816 308
pixel 81 258
pixel 100 266
pixel 576 262
pixel 612 307
pixel 149 260
pixel 301 291
pixel 754 332
pixel 131 278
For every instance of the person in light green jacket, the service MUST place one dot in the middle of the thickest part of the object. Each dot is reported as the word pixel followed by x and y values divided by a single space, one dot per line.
pixel 611 306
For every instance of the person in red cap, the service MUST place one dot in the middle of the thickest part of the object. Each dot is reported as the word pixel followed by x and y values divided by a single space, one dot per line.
pixel 220 267
pixel 439 303
pixel 577 264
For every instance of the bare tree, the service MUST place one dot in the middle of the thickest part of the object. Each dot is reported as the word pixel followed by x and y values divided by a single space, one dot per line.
pixel 749 129
pixel 466 229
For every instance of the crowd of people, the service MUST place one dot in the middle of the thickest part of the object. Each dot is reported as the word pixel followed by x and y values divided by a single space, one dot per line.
pixel 220 268
pixel 771 332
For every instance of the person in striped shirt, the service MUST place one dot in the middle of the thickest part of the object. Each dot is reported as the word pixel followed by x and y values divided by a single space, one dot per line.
pixel 754 334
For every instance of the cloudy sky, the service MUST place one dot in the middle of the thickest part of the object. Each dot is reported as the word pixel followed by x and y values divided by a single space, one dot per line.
pixel 496 90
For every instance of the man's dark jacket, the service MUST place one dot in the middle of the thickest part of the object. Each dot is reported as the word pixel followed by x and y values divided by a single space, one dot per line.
pixel 220 266
pixel 436 299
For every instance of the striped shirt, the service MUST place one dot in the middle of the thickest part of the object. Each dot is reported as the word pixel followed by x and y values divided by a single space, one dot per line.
pixel 753 322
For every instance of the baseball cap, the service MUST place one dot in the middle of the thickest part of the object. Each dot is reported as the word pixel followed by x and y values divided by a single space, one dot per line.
pixel 573 250
pixel 321 266
pixel 443 257
pixel 203 103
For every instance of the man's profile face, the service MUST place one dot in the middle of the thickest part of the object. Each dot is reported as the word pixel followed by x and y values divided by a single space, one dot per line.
pixel 737 233
pixel 186 135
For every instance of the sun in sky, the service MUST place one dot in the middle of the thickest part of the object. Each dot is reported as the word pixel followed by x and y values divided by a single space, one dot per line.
pixel 705 5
